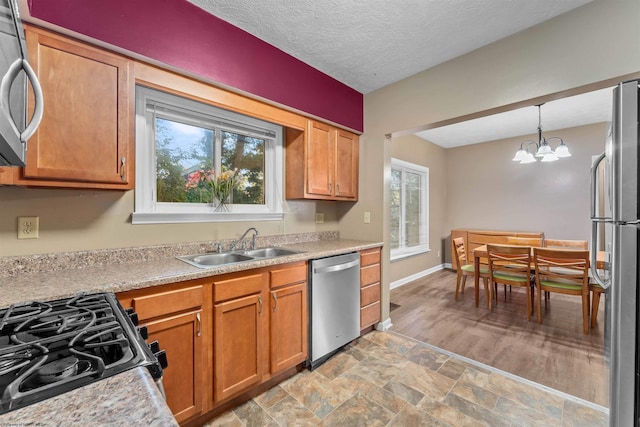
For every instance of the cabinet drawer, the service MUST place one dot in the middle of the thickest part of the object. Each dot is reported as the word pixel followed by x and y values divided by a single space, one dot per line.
pixel 370 256
pixel 369 315
pixel 164 303
pixel 288 275
pixel 369 275
pixel 369 294
pixel 237 287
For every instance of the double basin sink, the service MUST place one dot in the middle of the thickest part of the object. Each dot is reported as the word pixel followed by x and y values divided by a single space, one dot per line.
pixel 209 260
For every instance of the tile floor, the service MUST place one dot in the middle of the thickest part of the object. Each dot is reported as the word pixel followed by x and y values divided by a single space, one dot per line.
pixel 386 379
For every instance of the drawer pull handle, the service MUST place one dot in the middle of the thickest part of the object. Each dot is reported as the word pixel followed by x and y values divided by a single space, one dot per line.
pixel 199 325
pixel 275 302
pixel 260 302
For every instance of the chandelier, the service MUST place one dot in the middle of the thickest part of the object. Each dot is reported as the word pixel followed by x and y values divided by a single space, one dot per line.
pixel 542 148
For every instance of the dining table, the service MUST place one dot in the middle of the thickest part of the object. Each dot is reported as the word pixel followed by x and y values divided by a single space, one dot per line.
pixel 481 252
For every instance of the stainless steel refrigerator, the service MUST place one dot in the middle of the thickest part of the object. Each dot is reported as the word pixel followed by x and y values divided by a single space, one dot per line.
pixel 615 229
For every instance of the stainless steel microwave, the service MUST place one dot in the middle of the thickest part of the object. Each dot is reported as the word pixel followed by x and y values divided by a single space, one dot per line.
pixel 16 72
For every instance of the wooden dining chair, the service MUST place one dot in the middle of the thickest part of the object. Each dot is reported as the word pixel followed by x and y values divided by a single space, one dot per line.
pixel 565 272
pixel 465 269
pixel 511 265
pixel 596 291
pixel 563 244
pixel 520 241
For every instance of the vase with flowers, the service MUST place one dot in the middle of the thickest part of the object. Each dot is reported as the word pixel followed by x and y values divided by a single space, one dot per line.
pixel 218 188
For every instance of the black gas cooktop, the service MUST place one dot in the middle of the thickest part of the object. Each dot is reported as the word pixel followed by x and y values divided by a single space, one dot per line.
pixel 48 348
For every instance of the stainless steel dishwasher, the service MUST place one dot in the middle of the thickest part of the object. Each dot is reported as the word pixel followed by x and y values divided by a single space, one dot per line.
pixel 334 305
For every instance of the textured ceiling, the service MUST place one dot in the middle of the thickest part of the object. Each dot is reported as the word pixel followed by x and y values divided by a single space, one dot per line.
pixel 368 44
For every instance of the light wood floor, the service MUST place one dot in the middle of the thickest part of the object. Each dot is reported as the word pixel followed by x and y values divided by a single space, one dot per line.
pixel 555 353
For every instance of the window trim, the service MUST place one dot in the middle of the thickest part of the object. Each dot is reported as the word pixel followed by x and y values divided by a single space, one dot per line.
pixel 148 211
pixel 423 171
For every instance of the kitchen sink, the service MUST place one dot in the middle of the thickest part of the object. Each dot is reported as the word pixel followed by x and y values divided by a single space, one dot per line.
pixel 270 252
pixel 213 260
pixel 208 260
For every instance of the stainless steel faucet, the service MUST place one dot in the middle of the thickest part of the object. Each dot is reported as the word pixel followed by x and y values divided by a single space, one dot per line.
pixel 253 239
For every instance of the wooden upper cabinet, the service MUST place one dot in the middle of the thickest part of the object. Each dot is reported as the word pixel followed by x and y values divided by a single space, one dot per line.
pixel 346 165
pixel 322 163
pixel 85 139
pixel 320 158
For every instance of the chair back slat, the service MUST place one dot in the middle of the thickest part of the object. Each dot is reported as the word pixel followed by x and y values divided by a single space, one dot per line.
pixel 557 243
pixel 524 241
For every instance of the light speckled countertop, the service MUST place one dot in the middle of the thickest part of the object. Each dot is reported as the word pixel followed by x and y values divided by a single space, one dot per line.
pixel 123 276
pixel 46 278
pixel 130 398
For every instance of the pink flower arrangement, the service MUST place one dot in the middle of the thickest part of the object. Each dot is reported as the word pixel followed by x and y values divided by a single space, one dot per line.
pixel 221 185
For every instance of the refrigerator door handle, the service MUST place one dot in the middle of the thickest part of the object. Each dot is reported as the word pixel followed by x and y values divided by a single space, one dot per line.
pixel 594 223
pixel 593 263
pixel 594 184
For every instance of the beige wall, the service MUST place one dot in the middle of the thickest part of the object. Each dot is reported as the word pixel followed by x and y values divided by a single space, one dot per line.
pixel 489 191
pixel 72 220
pixel 416 150
pixel 587 45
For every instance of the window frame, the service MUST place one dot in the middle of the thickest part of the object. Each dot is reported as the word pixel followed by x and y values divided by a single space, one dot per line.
pixel 408 251
pixel 148 211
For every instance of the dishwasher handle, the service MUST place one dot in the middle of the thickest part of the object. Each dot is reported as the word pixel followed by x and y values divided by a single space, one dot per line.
pixel 337 267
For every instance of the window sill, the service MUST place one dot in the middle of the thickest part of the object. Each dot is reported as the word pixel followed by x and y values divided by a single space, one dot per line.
pixel 176 218
pixel 407 254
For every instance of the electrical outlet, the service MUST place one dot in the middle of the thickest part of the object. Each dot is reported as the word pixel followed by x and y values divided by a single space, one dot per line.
pixel 28 227
pixel 367 217
pixel 438 254
pixel 319 217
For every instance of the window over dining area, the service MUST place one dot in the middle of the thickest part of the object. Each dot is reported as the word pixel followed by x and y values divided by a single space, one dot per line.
pixel 409 209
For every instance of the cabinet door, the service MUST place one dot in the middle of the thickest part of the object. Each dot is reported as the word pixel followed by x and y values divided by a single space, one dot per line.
pixel 320 155
pixel 289 328
pixel 181 337
pixel 86 131
pixel 346 165
pixel 238 345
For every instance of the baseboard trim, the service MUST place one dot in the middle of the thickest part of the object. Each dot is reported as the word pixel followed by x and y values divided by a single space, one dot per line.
pixel 384 325
pixel 418 275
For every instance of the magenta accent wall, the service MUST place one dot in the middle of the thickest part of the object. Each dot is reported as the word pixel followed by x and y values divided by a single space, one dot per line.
pixel 177 33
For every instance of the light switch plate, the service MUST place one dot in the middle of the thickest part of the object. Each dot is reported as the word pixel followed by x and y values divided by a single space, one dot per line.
pixel 319 217
pixel 367 217
pixel 28 227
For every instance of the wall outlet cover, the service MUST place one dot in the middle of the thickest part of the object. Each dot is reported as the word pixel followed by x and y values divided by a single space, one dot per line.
pixel 28 227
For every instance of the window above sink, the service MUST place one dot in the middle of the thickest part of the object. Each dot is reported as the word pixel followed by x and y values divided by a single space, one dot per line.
pixel 178 138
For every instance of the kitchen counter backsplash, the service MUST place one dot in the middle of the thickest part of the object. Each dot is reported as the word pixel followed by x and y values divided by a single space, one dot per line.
pixel 42 263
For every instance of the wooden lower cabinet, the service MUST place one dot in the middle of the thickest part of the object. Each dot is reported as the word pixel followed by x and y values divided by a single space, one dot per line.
pixel 238 345
pixel 370 287
pixel 289 332
pixel 180 337
pixel 225 335
pixel 174 315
